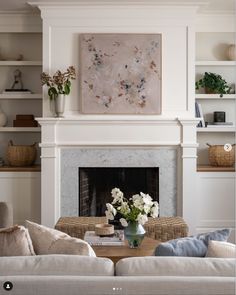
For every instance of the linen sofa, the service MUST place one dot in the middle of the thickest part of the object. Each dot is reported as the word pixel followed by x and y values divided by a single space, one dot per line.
pixel 72 274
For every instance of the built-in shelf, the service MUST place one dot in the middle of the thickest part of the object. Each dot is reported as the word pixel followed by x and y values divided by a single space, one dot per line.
pixel 215 96
pixel 15 96
pixel 217 129
pixel 20 129
pixel 215 63
pixel 35 168
pixel 207 168
pixel 20 63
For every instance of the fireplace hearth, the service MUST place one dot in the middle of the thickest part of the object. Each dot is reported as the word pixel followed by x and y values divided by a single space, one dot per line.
pixel 95 185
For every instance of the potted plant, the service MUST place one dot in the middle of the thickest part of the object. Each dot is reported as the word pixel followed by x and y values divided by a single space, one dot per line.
pixel 213 83
pixel 59 85
pixel 134 212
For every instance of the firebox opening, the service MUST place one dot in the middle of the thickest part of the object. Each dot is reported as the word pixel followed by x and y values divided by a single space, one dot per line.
pixel 95 185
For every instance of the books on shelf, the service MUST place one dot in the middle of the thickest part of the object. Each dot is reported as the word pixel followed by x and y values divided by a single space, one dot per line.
pixel 116 240
pixel 199 114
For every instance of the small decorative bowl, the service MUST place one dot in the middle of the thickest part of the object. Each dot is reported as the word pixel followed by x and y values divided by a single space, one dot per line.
pixel 104 229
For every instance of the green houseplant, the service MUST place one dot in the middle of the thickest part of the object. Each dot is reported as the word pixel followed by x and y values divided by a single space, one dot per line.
pixel 213 83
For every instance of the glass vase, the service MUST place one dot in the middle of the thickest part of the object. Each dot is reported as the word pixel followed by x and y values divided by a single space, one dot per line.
pixel 134 234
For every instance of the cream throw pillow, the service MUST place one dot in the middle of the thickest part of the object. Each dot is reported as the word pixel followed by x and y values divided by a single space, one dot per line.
pixel 221 249
pixel 15 241
pixel 51 241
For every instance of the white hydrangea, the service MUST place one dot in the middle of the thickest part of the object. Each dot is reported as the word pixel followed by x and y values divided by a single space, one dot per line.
pixel 147 208
pixel 138 202
pixel 142 218
pixel 155 210
pixel 147 199
pixel 123 222
pixel 117 195
pixel 110 212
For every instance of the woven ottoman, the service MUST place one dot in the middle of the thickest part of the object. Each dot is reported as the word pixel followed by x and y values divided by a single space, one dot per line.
pixel 162 228
pixel 166 228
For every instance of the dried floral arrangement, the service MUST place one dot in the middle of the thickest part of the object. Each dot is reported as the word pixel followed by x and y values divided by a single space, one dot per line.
pixel 59 83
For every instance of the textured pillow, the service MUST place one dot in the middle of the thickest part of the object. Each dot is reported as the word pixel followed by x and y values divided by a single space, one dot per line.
pixel 15 241
pixel 221 249
pixel 50 241
pixel 194 246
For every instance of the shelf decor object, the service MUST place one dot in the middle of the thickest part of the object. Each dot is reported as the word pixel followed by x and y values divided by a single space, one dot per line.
pixel 3 118
pixel 59 86
pixel 21 155
pixel 231 52
pixel 120 73
pixel 213 83
pixel 219 156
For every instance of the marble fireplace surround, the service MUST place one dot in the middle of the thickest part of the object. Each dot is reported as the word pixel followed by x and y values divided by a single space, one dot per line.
pixel 88 140
pixel 72 159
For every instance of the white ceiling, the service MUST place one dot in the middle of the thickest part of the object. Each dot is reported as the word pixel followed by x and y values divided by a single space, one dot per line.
pixel 211 6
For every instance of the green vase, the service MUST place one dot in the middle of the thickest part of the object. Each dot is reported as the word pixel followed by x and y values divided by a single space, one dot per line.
pixel 134 234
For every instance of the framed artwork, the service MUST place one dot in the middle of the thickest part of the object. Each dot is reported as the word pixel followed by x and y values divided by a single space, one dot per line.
pixel 120 73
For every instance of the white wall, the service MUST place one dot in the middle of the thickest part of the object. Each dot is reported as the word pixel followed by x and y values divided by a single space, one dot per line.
pixel 62 26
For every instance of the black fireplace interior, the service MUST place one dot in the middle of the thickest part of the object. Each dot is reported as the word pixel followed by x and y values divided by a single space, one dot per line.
pixel 95 185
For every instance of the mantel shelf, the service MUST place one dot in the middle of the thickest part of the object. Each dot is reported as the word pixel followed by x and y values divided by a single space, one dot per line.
pixel 24 96
pixel 215 63
pixel 20 129
pixel 215 96
pixel 20 63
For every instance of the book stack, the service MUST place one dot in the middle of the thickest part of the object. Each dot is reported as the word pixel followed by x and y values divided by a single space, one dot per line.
pixel 25 121
pixel 116 240
pixel 199 114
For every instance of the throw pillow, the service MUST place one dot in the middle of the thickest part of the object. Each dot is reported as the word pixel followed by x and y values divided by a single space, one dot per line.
pixel 51 241
pixel 194 246
pixel 221 249
pixel 15 241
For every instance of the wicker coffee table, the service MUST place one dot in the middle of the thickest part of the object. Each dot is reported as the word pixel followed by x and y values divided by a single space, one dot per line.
pixel 115 253
pixel 161 229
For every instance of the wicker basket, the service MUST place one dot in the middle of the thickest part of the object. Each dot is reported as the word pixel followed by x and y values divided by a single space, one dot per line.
pixel 218 156
pixel 21 155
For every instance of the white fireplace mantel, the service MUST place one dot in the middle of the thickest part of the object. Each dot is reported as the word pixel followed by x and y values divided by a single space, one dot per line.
pixel 117 131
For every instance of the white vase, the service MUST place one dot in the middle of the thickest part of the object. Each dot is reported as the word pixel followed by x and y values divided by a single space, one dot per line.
pixel 60 105
pixel 3 118
pixel 231 52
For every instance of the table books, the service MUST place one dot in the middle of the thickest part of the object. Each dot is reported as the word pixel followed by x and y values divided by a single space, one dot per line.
pixel 116 240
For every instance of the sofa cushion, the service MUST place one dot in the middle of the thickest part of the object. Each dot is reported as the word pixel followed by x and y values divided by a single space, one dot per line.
pixel 15 241
pixel 221 249
pixel 61 265
pixel 50 241
pixel 175 266
pixel 194 246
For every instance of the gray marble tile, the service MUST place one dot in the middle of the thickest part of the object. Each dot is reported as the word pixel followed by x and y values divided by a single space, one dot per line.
pixel 74 158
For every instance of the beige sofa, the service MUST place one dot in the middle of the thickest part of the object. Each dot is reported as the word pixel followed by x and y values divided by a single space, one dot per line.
pixel 81 275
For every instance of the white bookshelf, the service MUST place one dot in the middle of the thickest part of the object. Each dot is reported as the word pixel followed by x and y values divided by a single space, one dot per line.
pixel 217 129
pixel 20 129
pixel 224 63
pixel 21 63
pixel 215 96
pixel 25 96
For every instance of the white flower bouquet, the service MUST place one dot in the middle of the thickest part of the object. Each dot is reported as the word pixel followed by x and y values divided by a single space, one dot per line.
pixel 136 209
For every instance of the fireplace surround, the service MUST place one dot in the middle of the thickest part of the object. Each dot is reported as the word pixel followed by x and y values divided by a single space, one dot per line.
pixel 165 158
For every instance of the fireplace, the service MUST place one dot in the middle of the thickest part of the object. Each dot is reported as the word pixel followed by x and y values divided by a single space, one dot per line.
pixel 95 185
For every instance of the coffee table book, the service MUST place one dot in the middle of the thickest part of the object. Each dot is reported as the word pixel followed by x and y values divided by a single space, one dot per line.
pixel 94 240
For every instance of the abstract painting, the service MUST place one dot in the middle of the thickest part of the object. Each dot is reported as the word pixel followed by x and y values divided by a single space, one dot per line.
pixel 120 73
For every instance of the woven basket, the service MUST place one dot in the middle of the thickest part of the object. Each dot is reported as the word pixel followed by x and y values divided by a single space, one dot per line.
pixel 21 155
pixel 218 156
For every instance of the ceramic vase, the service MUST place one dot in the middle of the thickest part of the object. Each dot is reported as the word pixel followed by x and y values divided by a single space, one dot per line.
pixel 3 118
pixel 134 234
pixel 60 105
pixel 231 52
